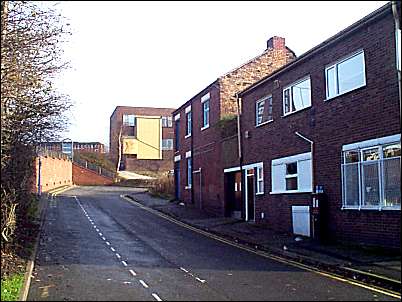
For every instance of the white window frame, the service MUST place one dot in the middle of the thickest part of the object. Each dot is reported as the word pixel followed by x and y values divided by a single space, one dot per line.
pixel 264 99
pixel 292 176
pixel 126 120
pixel 336 83
pixel 360 148
pixel 189 128
pixel 289 87
pixel 260 180
pixel 168 144
pixel 167 122
pixel 189 173
pixel 280 163
pixel 205 99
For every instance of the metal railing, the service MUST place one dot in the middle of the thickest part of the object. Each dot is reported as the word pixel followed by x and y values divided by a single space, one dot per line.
pixel 93 167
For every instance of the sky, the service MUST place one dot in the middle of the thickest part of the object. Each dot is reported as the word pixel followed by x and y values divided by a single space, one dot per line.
pixel 160 54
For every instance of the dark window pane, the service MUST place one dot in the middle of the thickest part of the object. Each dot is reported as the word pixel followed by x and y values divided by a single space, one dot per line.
pixel 291 183
pixel 291 168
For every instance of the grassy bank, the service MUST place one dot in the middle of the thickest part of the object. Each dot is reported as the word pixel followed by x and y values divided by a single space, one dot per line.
pixel 11 287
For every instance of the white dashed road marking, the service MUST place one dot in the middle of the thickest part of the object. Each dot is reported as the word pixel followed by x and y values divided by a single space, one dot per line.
pixel 144 284
pixel 156 297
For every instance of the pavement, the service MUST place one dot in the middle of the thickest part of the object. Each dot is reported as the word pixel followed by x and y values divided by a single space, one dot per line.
pixel 132 175
pixel 377 267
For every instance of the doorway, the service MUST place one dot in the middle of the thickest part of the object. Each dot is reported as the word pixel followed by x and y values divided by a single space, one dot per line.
pixel 250 195
pixel 233 197
pixel 177 180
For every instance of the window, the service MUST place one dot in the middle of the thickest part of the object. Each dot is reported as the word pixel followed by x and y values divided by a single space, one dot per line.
pixel 345 75
pixel 167 121
pixel 128 120
pixel 260 180
pixel 263 111
pixel 188 129
pixel 177 134
pixel 167 144
pixel 189 173
pixel 205 111
pixel 297 96
pixel 371 175
pixel 292 174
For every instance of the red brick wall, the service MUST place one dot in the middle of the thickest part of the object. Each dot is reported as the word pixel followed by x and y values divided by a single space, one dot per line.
pixel 366 113
pixel 154 165
pixel 116 121
pixel 55 172
pixel 207 146
pixel 86 177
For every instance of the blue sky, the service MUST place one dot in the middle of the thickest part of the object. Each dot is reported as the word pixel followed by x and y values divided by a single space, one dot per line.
pixel 160 54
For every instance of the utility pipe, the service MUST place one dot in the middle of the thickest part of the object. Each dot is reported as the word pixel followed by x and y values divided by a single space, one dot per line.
pixel 238 100
pixel 397 42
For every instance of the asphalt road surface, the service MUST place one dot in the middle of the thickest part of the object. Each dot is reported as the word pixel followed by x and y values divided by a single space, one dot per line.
pixel 96 245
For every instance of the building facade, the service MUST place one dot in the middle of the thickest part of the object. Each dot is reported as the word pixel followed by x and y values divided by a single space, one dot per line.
pixel 96 147
pixel 204 123
pixel 141 138
pixel 321 139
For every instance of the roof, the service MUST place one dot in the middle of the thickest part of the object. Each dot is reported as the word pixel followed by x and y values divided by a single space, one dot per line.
pixel 142 109
pixel 196 95
pixel 342 34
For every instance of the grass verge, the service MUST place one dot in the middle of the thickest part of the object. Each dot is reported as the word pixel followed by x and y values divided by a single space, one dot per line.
pixel 11 287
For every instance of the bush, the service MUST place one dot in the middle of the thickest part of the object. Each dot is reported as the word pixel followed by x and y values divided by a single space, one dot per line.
pixel 164 187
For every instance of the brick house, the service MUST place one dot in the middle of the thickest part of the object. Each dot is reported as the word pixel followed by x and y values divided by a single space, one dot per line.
pixel 205 122
pixel 330 118
pixel 146 138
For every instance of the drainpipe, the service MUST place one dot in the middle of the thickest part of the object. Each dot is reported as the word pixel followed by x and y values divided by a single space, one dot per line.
pixel 238 99
pixel 397 42
pixel 192 153
pixel 312 157
pixel 312 169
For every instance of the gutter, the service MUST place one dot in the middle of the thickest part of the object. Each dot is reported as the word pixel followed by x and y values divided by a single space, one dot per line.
pixel 240 149
pixel 397 42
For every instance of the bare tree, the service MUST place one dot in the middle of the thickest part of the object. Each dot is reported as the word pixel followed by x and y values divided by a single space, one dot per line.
pixel 32 110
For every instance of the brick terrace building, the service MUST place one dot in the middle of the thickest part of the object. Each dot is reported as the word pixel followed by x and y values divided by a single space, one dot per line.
pixel 343 96
pixel 146 138
pixel 200 129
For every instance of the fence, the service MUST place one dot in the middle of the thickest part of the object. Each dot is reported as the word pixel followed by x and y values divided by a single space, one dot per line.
pixel 95 168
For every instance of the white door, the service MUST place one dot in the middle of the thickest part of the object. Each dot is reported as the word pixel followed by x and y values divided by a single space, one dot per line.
pixel 301 220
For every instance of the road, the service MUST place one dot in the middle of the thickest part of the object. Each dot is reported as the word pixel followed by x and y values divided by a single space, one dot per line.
pixel 95 245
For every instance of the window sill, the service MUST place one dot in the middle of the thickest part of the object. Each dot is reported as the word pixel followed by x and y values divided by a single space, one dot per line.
pixel 293 112
pixel 290 192
pixel 260 193
pixel 372 208
pixel 264 123
pixel 205 127
pixel 187 187
pixel 188 135
pixel 343 93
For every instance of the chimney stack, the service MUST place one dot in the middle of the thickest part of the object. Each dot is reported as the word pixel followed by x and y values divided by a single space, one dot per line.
pixel 276 43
